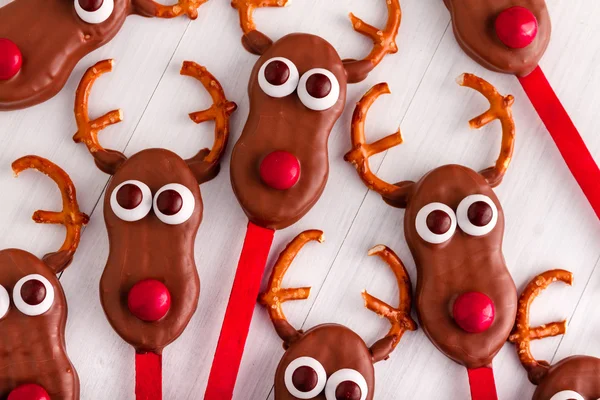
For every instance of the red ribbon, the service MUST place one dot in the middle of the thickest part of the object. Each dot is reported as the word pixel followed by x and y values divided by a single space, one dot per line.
pixel 565 135
pixel 148 376
pixel 483 386
pixel 238 316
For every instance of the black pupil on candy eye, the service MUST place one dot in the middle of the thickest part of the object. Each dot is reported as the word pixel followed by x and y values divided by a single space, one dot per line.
pixel 480 213
pixel 348 390
pixel 169 202
pixel 33 292
pixel 277 73
pixel 91 5
pixel 129 196
pixel 305 379
pixel 318 86
pixel 438 222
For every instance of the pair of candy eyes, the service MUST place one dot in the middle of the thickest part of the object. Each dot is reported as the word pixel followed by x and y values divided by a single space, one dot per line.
pixel 132 200
pixel 94 11
pixel 32 295
pixel 305 378
pixel 318 88
pixel 567 395
pixel 476 215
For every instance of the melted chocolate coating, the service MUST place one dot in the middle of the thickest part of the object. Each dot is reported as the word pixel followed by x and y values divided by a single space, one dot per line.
pixel 578 373
pixel 462 264
pixel 151 249
pixel 286 124
pixel 52 39
pixel 32 349
pixel 473 24
pixel 335 347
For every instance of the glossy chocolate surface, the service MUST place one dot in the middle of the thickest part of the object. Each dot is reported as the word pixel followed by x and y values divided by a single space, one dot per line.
pixel 32 348
pixel 462 264
pixel 286 124
pixel 473 24
pixel 578 373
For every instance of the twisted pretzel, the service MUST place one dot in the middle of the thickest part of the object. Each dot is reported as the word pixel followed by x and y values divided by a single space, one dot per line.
pixel 361 151
pixel 246 11
pixel 275 296
pixel 71 217
pixel 399 317
pixel 220 111
pixel 523 334
pixel 500 108
pixel 87 131
pixel 188 7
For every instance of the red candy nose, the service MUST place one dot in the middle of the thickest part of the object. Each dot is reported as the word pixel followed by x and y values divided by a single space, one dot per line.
pixel 280 170
pixel 149 300
pixel 474 312
pixel 516 27
pixel 29 391
pixel 10 59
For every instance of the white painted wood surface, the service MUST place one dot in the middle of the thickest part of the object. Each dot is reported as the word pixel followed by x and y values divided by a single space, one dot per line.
pixel 549 223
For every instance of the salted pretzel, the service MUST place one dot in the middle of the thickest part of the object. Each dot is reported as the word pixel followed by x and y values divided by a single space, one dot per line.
pixel 188 7
pixel 523 334
pixel 70 216
pixel 108 160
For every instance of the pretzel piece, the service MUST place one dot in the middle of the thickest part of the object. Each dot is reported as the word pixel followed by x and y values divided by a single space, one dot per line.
pixel 399 317
pixel 206 163
pixel 523 334
pixel 500 108
pixel 275 296
pixel 361 151
pixel 71 217
pixel 188 7
pixel 87 131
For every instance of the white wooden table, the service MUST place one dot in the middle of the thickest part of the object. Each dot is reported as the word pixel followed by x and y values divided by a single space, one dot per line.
pixel 549 223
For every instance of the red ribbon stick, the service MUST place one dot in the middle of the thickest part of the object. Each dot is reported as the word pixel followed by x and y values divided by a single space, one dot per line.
pixel 148 376
pixel 483 386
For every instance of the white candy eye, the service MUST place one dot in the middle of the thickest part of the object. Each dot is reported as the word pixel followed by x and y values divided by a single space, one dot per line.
pixel 94 11
pixel 346 384
pixel 174 204
pixel 567 395
pixel 33 295
pixel 131 200
pixel 436 223
pixel 305 378
pixel 278 77
pixel 318 89
pixel 477 215
pixel 4 302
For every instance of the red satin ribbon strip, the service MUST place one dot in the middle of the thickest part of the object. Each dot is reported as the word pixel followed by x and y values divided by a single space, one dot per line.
pixel 483 386
pixel 238 316
pixel 148 376
pixel 565 135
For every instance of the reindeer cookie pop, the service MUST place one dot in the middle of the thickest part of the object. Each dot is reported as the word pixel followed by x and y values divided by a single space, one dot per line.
pixel 330 361
pixel 574 378
pixel 454 225
pixel 33 308
pixel 152 209
pixel 279 165
pixel 41 41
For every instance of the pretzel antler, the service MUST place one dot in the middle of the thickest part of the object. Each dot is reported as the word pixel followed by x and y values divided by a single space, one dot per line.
pixel 399 317
pixel 500 108
pixel 253 40
pixel 205 165
pixel 188 7
pixel 523 334
pixel 87 131
pixel 275 296
pixel 384 42
pixel 396 195
pixel 70 216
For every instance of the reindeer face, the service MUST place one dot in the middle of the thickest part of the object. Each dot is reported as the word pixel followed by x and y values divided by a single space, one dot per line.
pixel 507 36
pixel 152 211
pixel 320 361
pixel 456 241
pixel 579 374
pixel 295 117
pixel 32 349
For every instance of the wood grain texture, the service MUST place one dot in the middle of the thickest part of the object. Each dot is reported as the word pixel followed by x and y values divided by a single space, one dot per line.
pixel 549 223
